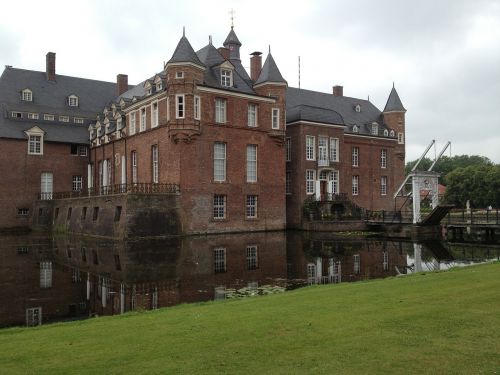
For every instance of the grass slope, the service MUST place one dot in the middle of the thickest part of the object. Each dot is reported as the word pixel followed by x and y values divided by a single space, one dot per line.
pixel 436 323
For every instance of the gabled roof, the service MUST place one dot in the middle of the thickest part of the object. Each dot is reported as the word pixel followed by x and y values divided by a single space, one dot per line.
pixel 270 72
pixel 232 38
pixel 394 103
pixel 184 53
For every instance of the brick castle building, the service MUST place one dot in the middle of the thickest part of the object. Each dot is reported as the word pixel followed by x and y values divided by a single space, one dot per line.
pixel 205 125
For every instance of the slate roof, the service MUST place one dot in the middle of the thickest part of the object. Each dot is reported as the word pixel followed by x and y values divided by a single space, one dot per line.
pixel 344 106
pixel 50 97
pixel 270 72
pixel 184 53
pixel 393 102
pixel 231 38
pixel 316 114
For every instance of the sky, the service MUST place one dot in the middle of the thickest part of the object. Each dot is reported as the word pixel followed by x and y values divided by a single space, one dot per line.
pixel 443 56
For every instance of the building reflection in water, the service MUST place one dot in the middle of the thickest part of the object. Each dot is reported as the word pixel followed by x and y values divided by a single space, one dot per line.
pixel 63 278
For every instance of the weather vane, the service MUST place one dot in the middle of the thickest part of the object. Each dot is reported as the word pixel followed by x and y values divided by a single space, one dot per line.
pixel 232 12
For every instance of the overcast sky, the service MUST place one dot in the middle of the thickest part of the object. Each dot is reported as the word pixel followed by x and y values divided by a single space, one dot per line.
pixel 444 56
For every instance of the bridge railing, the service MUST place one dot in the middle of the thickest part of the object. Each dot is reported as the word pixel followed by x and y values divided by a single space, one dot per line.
pixel 386 216
pixel 137 188
pixel 473 216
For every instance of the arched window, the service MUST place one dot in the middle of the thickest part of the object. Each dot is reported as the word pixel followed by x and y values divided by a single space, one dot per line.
pixel 386 132
pixel 355 129
pixel 392 133
pixel 357 108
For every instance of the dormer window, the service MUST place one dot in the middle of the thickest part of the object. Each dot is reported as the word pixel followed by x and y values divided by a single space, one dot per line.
pixel 27 95
pixel 226 77
pixel 64 118
pixel 355 129
pixel 149 91
pixel 179 75
pixel 392 133
pixel 357 108
pixel 73 101
pixel 374 128
pixel 386 132
pixel 159 86
pixel 35 140
pixel 15 114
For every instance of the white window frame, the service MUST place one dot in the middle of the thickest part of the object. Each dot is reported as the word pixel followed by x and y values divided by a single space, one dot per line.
pixel 355 129
pixel 82 150
pixel 27 95
pixel 374 129
pixel 252 206
pixel 310 181
pixel 310 147
pixel 154 114
pixel 154 157
pixel 64 118
pixel 252 115
pixel 391 133
pixel 159 86
pixel 16 114
pixel 219 260
pixel 383 158
pixel 33 116
pixel 355 185
pixel 77 183
pixel 220 111
pixel 219 206
pixel 275 118
pixel 226 77
pixel 383 185
pixel 355 156
pixel 179 75
pixel 133 123
pixel 334 180
pixel 35 140
pixel 288 149
pixel 180 106
pixel 142 119
pixel 73 101
pixel 197 107
pixel 78 120
pixel 252 151
pixel 401 138
pixel 134 166
pixel 34 316
pixel 323 149
pixel 220 154
pixel 45 274
pixel 334 149
pixel 252 257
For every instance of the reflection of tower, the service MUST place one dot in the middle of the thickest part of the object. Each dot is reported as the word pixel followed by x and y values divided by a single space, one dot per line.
pixel 418 256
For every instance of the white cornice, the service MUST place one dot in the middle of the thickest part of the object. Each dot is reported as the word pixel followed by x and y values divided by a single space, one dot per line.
pixel 370 136
pixel 184 64
pixel 316 124
pixel 236 94
pixel 271 83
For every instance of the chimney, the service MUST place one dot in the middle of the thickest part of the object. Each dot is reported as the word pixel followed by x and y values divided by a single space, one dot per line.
pixel 224 52
pixel 121 83
pixel 255 65
pixel 338 90
pixel 50 66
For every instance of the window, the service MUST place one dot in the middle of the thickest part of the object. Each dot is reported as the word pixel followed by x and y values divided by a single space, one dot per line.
pixel 355 129
pixel 276 118
pixel 110 175
pixel 252 115
pixel 15 114
pixel 386 132
pixel 35 145
pixel 45 274
pixel 159 86
pixel 132 123
pixel 33 116
pixel 392 133
pixel 154 156
pixel 219 161
pixel 73 101
pixel 334 149
pixel 383 185
pixel 219 206
pixel 134 167
pixel 252 258
pixel 142 125
pixel 374 129
pixel 33 316
pixel 251 163
pixel 226 77
pixel 220 111
pixel 179 106
pixel 323 151
pixel 355 185
pixel 82 150
pixel 149 91
pixel 310 145
pixel 355 156
pixel 78 120
pixel 154 115
pixel 357 264
pixel 334 180
pixel 310 177
pixel 220 260
pixel 84 213
pixel 95 216
pixel 77 183
pixel 27 95
pixel 197 108
pixel 385 263
pixel 251 208
pixel 64 118
pixel 357 108
pixel 118 213
pixel 288 148
pixel 288 182
pixel 383 158
pixel 401 139
pixel 179 75
pixel 23 211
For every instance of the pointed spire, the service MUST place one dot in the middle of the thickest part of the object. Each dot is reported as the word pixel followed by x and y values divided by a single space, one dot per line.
pixel 393 102
pixel 270 72
pixel 184 53
pixel 233 44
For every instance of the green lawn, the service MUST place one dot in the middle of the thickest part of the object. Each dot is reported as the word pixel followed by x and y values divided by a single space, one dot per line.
pixel 435 323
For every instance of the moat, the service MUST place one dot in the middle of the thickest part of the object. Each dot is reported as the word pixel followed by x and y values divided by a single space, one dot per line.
pixel 48 279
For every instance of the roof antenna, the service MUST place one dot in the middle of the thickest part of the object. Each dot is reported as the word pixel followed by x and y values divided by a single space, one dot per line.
pixel 232 12
pixel 299 72
pixel 183 30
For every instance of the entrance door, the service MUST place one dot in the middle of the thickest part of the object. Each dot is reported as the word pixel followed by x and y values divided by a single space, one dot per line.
pixel 47 185
pixel 323 190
